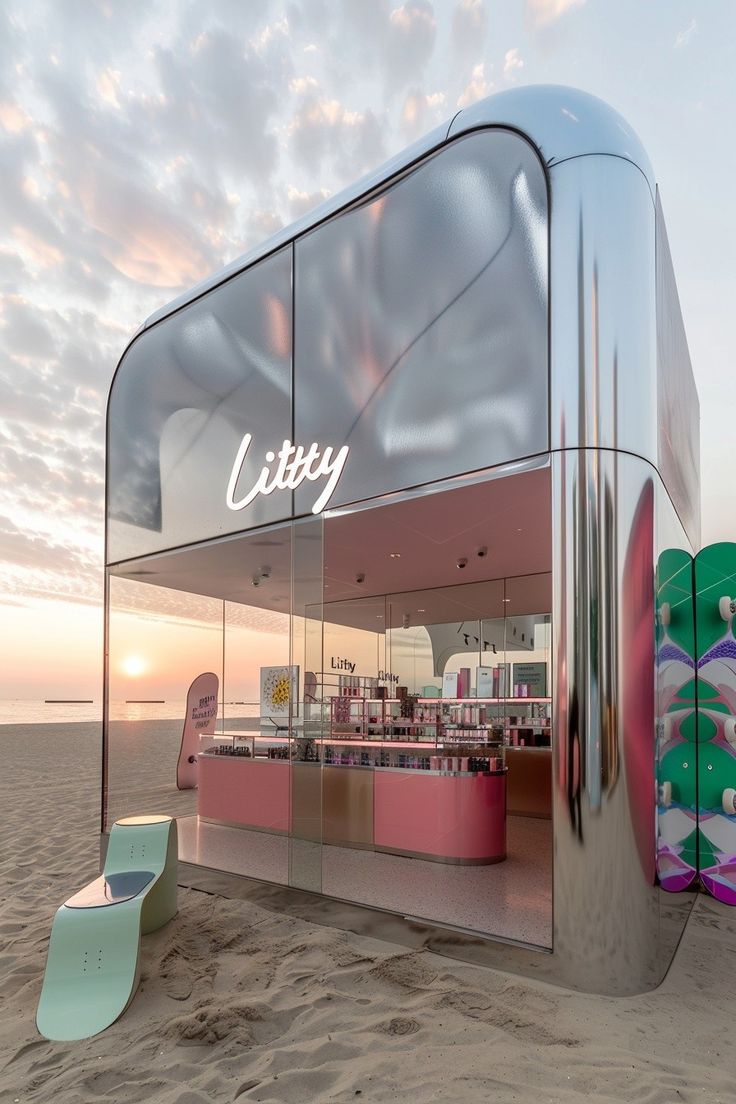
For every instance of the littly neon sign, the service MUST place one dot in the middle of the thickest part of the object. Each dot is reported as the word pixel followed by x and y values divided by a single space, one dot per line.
pixel 295 464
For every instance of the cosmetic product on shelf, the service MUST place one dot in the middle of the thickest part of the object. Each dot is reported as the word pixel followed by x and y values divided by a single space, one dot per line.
pixel 484 682
pixel 407 705
pixel 450 684
pixel 341 709
pixel 501 680
pixel 349 686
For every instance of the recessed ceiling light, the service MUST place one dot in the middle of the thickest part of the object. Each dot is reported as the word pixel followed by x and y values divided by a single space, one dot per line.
pixel 507 599
pixel 395 555
pixel 421 611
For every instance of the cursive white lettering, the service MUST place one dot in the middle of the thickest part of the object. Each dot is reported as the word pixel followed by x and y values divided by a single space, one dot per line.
pixel 295 464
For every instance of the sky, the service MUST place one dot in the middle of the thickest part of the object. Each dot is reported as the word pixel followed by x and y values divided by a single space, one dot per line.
pixel 144 144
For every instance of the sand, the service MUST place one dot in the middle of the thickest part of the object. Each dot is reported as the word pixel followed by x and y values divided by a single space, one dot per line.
pixel 240 1003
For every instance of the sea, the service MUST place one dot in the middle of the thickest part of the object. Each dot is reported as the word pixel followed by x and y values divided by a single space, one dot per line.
pixel 16 711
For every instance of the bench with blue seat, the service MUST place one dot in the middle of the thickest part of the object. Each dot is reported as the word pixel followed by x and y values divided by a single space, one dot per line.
pixel 93 962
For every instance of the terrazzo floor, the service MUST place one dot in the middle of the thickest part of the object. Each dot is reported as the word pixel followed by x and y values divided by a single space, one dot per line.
pixel 512 899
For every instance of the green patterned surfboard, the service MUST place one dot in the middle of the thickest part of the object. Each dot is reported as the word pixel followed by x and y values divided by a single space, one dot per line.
pixel 715 608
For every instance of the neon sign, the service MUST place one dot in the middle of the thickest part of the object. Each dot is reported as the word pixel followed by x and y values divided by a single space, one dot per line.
pixel 295 464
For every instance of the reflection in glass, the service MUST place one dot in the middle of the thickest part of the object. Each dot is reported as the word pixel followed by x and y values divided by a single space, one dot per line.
pixel 186 392
pixel 422 312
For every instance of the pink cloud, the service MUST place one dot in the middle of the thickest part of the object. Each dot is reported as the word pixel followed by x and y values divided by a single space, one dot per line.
pixel 544 12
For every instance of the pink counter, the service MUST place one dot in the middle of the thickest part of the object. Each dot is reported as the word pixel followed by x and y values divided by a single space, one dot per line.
pixel 455 818
pixel 446 817
pixel 253 793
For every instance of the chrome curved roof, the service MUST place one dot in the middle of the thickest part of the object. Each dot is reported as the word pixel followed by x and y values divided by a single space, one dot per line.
pixel 560 122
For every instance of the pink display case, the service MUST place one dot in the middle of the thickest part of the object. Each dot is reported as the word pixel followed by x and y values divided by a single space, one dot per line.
pixel 251 793
pixel 447 817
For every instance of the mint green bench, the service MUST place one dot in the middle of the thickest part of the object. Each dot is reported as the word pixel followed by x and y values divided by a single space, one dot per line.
pixel 93 962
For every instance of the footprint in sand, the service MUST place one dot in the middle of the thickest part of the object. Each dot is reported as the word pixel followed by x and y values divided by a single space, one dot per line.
pixel 399 1025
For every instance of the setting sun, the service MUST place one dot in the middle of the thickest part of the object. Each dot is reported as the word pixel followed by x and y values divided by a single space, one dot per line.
pixel 133 666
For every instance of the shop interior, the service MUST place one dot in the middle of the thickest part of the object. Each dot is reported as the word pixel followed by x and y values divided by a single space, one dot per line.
pixel 383 733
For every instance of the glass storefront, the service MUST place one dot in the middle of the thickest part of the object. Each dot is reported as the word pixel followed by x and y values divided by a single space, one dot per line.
pixel 395 508
pixel 383 732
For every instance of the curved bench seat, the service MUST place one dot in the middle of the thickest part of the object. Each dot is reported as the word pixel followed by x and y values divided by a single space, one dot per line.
pixel 111 890
pixel 93 962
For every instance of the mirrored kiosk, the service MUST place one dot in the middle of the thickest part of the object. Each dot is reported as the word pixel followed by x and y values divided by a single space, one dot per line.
pixel 478 347
pixel 384 732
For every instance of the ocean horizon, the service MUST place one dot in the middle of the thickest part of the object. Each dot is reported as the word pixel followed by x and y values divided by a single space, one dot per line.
pixel 18 711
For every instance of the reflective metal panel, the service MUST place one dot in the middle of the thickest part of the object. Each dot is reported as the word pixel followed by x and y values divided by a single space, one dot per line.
pixel 607 905
pixel 421 321
pixel 331 206
pixel 184 395
pixel 677 821
pixel 603 337
pixel 678 407
pixel 562 122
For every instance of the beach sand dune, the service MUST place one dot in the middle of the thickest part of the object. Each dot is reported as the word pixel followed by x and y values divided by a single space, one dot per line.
pixel 240 1003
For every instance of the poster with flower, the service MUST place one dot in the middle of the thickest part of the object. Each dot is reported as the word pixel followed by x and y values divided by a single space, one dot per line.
pixel 279 687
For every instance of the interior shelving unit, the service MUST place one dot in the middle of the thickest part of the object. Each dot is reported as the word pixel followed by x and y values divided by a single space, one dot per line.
pixel 434 721
pixel 366 731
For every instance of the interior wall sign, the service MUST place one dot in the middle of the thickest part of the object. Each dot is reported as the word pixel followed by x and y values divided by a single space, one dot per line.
pixel 294 464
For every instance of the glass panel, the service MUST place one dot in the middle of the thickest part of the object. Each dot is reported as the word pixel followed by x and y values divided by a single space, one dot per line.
pixel 160 640
pixel 523 712
pixel 439 696
pixel 307 721
pixel 185 394
pixel 422 322
pixel 238 776
pixel 252 795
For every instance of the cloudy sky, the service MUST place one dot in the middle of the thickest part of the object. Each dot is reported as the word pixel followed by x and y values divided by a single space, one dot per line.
pixel 146 143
